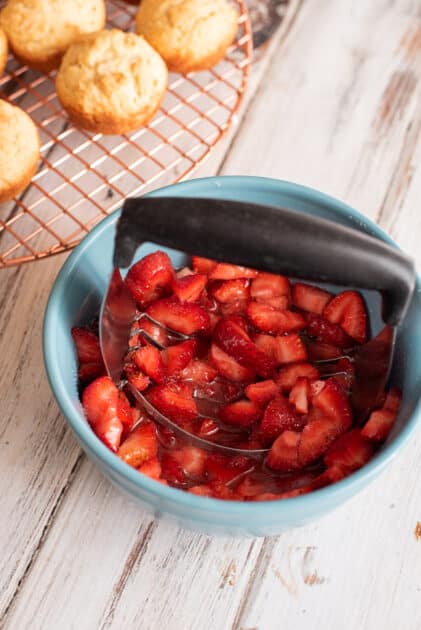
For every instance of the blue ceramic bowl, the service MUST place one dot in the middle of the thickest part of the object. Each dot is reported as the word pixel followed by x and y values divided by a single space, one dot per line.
pixel 75 299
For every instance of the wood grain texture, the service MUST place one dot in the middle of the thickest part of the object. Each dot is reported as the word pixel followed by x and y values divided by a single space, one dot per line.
pixel 339 109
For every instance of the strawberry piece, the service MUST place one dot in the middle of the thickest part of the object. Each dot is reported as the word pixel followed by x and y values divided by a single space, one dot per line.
pixel 150 277
pixel 261 393
pixel 344 373
pixel 136 378
pixel 242 413
pixel 87 346
pixel 310 298
pixel 267 344
pixel 225 469
pixel 125 413
pixel 183 317
pixel 279 416
pixel 176 358
pixel 232 291
pixel 172 404
pixel 222 491
pixel 152 332
pixel 201 491
pixel 207 428
pixel 326 332
pixel 288 375
pixel 149 361
pixel 290 349
pixel 203 265
pixel 151 468
pixel 381 421
pixel 318 351
pixel 349 452
pixel 199 372
pixel 140 446
pixel 233 339
pixel 225 271
pixel 100 402
pixel 329 398
pixel 228 367
pixel 87 372
pixel 233 308
pixel 283 455
pixel 348 310
pixel 189 287
pixel 183 272
pixel 316 438
pixel 281 303
pixel 191 459
pixel 269 285
pixel 270 320
pixel 299 395
pixel 172 471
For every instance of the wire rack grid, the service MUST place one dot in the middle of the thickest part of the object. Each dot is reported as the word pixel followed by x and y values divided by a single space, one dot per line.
pixel 83 177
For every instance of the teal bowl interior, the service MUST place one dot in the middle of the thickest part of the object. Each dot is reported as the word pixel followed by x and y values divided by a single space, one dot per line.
pixel 75 299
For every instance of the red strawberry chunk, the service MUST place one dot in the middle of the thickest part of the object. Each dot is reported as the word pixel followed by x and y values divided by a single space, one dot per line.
pixel 176 358
pixel 136 378
pixel 310 298
pixel 348 310
pixel 199 372
pixel 280 303
pixel 242 413
pixel 290 349
pixel 203 265
pixel 279 416
pixel 283 455
pixel 225 271
pixel 349 452
pixel 326 332
pixel 233 308
pixel 150 278
pixel 152 332
pixel 87 346
pixel 183 317
pixel 333 403
pixel 149 361
pixel 267 344
pixel 262 392
pixel 299 395
pixel 172 404
pixel 316 438
pixel 228 367
pixel 233 339
pixel 101 404
pixel 191 459
pixel 201 491
pixel 151 468
pixel 125 413
pixel 381 421
pixel 189 287
pixel 289 374
pixel 207 428
pixel 269 285
pixel 225 469
pixel 140 446
pixel 269 319
pixel 232 291
pixel 87 372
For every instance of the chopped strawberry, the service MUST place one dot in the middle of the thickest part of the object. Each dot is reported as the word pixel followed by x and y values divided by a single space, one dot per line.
pixel 333 403
pixel 208 427
pixel 176 358
pixel 233 308
pixel 318 351
pixel 149 361
pixel 183 272
pixel 183 317
pixel 267 344
pixel 101 404
pixel 151 468
pixel 262 392
pixel 153 332
pixel 242 413
pixel 349 452
pixel 309 298
pixel 136 378
pixel 203 265
pixel 201 491
pixel 290 349
pixel 225 271
pixel 283 455
pixel 281 303
pixel 289 374
pixel 189 288
pixel 150 278
pixel 299 394
pixel 232 291
pixel 199 372
pixel 381 421
pixel 172 471
pixel 326 332
pixel 140 446
pixel 228 367
pixel 348 310
pixel 344 373
pixel 191 459
pixel 222 491
pixel 279 416
pixel 250 486
pixel 225 469
pixel 87 346
pixel 316 438
pixel 87 372
pixel 270 320
pixel 125 413
pixel 233 339
pixel 172 404
pixel 269 285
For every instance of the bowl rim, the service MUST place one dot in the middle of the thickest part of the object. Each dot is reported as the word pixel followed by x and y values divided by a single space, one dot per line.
pixel 346 487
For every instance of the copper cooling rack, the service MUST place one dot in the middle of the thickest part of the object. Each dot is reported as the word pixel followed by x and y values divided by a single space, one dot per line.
pixel 83 177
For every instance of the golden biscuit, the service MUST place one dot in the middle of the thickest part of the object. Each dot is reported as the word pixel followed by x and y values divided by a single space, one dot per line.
pixel 188 34
pixel 111 82
pixel 19 150
pixel 3 51
pixel 40 31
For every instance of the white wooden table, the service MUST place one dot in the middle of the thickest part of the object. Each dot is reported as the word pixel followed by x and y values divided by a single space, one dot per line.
pixel 335 104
